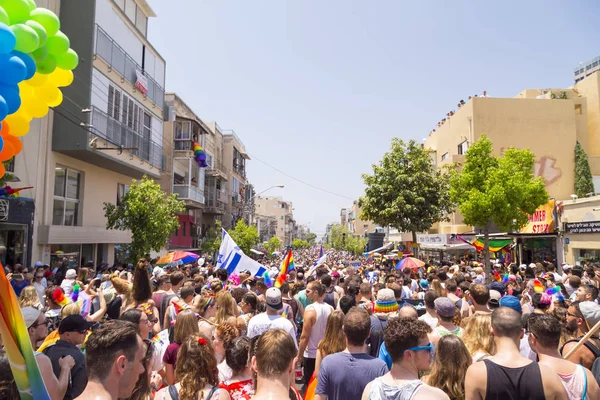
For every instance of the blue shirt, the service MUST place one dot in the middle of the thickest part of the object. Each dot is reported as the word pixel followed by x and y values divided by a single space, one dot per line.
pixel 385 356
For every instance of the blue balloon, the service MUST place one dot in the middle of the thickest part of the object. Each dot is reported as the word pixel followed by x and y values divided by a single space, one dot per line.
pixel 11 96
pixel 3 110
pixel 7 39
pixel 1 143
pixel 12 69
pixel 28 61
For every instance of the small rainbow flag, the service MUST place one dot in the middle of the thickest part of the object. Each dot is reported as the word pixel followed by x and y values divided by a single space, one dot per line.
pixel 17 344
pixel 199 155
pixel 287 265
pixel 537 286
pixel 178 308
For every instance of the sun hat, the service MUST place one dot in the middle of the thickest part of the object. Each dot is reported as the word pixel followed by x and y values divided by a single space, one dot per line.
pixel 71 274
pixel 386 302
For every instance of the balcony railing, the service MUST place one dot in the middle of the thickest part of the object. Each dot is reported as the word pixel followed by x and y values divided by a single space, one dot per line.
pixel 120 61
pixel 186 192
pixel 121 135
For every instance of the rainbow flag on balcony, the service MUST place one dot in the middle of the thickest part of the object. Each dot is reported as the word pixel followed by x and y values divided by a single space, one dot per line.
pixel 199 155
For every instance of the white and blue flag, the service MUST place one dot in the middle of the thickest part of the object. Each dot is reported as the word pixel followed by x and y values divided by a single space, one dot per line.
pixel 233 259
pixel 321 260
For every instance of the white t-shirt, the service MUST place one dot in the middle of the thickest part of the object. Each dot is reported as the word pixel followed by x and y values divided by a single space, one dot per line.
pixel 432 322
pixel 406 292
pixel 261 323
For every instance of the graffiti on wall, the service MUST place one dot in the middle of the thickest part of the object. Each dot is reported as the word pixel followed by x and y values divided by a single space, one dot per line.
pixel 545 167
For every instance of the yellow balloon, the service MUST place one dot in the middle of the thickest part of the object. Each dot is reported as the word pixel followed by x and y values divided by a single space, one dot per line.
pixel 60 78
pixel 19 125
pixel 25 90
pixel 58 100
pixel 48 94
pixel 37 80
pixel 36 109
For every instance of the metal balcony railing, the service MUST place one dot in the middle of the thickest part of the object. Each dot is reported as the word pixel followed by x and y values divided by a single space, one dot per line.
pixel 186 192
pixel 121 135
pixel 120 61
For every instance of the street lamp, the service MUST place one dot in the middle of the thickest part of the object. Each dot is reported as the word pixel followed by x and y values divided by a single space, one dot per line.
pixel 251 204
pixel 274 186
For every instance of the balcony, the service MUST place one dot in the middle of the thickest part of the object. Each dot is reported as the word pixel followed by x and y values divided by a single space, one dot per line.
pixel 121 135
pixel 109 51
pixel 191 195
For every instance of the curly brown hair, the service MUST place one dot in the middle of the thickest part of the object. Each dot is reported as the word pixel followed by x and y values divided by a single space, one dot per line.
pixel 196 367
pixel 227 332
pixel 403 333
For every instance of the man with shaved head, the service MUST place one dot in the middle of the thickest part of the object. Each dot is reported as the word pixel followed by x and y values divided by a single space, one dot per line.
pixel 507 374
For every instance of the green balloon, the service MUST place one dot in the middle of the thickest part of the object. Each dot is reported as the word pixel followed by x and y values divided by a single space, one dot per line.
pixel 31 5
pixel 27 39
pixel 68 60
pixel 40 54
pixel 17 10
pixel 47 65
pixel 47 19
pixel 40 30
pixel 4 17
pixel 58 43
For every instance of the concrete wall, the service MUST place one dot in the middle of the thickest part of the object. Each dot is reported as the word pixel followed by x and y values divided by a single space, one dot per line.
pixel 272 207
pixel 581 210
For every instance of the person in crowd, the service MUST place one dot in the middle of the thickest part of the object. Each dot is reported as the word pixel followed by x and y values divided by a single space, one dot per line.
pixel 333 341
pixel 29 298
pixel 445 311
pixel 313 330
pixel 225 308
pixel 586 293
pixel 147 380
pixel 342 375
pixel 453 294
pixel 479 295
pixel 450 367
pixel 36 324
pixel 477 338
pixel 508 372
pixel 331 296
pixel 52 309
pixel 541 302
pixel 411 352
pixel 166 311
pixel 430 316
pixel 40 285
pixel 224 335
pixel 72 332
pixel 581 317
pixel 346 303
pixel 8 386
pixel 139 319
pixel 239 385
pixel 271 319
pixel 436 286
pixel 289 300
pixel 206 308
pixel 163 285
pixel 385 306
pixel 544 337
pixel 115 359
pixel 68 282
pixel 248 307
pixel 185 325
pixel 18 281
pixel 273 362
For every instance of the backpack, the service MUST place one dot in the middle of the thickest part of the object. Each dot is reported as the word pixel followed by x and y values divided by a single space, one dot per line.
pixel 596 352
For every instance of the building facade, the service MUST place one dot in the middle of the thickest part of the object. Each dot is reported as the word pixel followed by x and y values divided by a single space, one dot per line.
pixel 108 131
pixel 275 212
pixel 239 198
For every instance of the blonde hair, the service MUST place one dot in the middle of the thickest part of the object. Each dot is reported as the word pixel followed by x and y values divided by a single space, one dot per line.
pixel 224 307
pixel 476 335
pixel 185 325
pixel 70 309
pixel 29 297
pixel 333 340
pixel 436 286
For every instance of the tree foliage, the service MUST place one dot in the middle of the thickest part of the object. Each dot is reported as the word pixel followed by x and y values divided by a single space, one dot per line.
pixel 499 190
pixel 274 244
pixel 584 184
pixel 338 241
pixel 245 236
pixel 300 244
pixel 148 213
pixel 311 238
pixel 406 190
pixel 212 241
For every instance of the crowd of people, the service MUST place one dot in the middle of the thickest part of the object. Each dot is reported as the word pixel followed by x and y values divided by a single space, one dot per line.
pixel 329 331
pixel 449 114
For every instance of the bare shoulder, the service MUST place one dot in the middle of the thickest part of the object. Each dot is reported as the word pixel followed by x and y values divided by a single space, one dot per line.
pixel 430 393
pixel 365 394
pixel 553 387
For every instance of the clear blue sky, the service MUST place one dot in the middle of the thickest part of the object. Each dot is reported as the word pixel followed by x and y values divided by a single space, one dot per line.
pixel 317 88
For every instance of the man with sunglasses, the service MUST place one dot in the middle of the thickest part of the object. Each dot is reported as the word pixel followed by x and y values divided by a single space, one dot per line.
pixel 73 330
pixel 581 317
pixel 37 327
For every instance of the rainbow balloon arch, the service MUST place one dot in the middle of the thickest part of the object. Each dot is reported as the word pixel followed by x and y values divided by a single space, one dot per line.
pixel 35 62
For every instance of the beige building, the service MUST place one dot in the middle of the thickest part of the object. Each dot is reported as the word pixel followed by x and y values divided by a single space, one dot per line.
pixel 580 222
pixel 268 209
pixel 239 197
pixel 358 226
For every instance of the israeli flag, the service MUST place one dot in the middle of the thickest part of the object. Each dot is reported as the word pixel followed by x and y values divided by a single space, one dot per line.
pixel 320 260
pixel 233 259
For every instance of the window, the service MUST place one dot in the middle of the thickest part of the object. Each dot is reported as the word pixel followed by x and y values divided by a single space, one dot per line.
pixel 463 147
pixel 141 22
pixel 130 9
pixel 578 110
pixel 182 130
pixel 114 103
pixel 444 156
pixel 67 184
pixel 121 192
pixel 235 188
pixel 121 4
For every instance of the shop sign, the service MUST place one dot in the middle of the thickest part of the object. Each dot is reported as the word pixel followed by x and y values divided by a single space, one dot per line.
pixel 542 220
pixel 432 239
pixel 583 227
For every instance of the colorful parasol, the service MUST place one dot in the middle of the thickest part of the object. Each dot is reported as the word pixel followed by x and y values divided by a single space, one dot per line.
pixel 177 257
pixel 410 262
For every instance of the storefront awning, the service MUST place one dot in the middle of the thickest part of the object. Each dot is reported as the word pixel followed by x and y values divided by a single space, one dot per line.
pixel 260 253
pixel 433 246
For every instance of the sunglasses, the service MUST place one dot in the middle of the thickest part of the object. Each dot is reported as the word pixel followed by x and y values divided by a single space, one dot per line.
pixel 429 348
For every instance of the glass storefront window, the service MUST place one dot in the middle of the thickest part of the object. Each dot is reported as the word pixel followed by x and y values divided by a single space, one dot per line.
pixel 586 255
pixel 12 244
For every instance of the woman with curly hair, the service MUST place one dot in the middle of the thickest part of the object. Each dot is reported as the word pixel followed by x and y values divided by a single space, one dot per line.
pixel 222 338
pixel 477 338
pixel 196 371
pixel 240 385
pixel 186 324
pixel 450 367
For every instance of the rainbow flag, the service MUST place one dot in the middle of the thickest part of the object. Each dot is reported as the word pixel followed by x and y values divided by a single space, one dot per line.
pixel 199 155
pixel 17 344
pixel 287 265
pixel 495 245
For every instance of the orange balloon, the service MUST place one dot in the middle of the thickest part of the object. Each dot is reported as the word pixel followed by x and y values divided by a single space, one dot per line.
pixel 7 152
pixel 15 142
pixel 4 129
pixel 2 170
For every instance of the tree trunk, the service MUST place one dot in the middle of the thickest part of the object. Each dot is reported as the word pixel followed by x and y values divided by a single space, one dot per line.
pixel 486 253
pixel 415 250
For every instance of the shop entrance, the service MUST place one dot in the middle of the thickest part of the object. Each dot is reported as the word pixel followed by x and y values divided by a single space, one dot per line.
pixel 13 248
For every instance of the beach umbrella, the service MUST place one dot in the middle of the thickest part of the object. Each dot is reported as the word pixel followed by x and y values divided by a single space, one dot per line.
pixel 177 257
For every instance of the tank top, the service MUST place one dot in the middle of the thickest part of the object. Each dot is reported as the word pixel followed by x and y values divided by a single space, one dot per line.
pixel 330 297
pixel 318 329
pixel 505 383
pixel 383 391
pixel 444 332
pixel 575 383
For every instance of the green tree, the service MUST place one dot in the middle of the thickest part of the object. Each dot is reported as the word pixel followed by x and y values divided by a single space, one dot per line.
pixel 212 242
pixel 274 244
pixel 499 190
pixel 584 183
pixel 406 190
pixel 300 244
pixel 312 238
pixel 148 213
pixel 340 238
pixel 246 237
